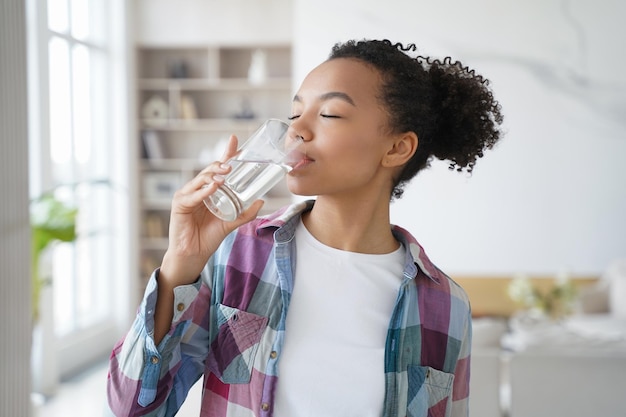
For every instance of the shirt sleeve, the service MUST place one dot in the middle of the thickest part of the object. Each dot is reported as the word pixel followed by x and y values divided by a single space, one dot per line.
pixel 149 380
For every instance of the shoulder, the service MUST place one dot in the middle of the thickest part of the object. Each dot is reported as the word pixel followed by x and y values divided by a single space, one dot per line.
pixel 428 275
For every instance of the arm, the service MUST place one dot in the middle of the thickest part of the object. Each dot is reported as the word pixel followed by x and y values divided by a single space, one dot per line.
pixel 194 235
pixel 151 371
pixel 146 379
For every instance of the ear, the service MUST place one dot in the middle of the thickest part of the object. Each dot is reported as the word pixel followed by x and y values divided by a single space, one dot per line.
pixel 402 149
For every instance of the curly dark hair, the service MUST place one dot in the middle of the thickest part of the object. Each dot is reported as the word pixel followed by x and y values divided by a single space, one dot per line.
pixel 450 107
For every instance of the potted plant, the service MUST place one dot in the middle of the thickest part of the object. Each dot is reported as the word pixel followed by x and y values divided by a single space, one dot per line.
pixel 52 221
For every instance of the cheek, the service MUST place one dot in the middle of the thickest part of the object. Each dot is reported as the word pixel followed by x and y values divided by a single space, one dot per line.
pixel 361 154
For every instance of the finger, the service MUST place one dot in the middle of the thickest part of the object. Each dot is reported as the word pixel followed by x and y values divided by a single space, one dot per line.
pixel 215 167
pixel 187 203
pixel 213 173
pixel 231 148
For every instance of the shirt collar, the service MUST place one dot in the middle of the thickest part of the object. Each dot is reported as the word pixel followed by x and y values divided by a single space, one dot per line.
pixel 286 220
pixel 417 254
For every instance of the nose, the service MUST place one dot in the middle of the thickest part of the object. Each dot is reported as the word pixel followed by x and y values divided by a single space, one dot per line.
pixel 298 131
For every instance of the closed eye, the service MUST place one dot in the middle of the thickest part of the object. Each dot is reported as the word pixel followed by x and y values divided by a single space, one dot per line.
pixel 327 116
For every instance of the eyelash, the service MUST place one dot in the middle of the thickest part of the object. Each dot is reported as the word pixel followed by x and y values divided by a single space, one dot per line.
pixel 328 116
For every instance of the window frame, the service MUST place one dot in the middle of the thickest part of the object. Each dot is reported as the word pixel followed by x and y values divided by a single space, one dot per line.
pixel 79 349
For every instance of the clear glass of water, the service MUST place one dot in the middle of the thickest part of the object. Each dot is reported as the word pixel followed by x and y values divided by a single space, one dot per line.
pixel 261 162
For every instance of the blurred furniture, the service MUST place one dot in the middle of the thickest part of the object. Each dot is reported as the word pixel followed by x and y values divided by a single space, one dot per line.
pixel 549 384
pixel 489 294
pixel 574 368
pixel 533 366
pixel 486 367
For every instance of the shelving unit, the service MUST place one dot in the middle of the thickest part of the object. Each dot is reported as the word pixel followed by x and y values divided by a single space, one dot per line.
pixel 191 100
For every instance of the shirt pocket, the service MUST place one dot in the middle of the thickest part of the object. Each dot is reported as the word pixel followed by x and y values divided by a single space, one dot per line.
pixel 234 347
pixel 430 392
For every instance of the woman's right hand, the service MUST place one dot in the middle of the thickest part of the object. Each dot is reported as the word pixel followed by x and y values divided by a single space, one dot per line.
pixel 194 232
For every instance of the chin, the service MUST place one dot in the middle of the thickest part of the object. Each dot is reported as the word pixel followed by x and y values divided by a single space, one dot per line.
pixel 296 187
pixel 302 194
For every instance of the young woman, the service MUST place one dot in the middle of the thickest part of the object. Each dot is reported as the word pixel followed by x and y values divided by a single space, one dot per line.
pixel 323 308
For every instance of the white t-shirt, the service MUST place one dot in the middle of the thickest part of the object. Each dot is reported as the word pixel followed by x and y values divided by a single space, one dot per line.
pixel 332 363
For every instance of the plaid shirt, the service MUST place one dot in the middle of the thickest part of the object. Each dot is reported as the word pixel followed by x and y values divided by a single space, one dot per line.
pixel 229 326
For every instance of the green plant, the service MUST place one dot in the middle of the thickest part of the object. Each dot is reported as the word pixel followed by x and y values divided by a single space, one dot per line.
pixel 555 302
pixel 51 221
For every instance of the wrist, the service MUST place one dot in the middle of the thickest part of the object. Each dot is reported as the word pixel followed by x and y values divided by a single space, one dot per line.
pixel 175 271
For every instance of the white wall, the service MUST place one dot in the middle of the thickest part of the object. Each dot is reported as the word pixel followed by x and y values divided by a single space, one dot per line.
pixel 552 195
pixel 202 22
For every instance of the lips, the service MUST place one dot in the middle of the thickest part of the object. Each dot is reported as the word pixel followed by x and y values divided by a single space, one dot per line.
pixel 298 160
pixel 302 163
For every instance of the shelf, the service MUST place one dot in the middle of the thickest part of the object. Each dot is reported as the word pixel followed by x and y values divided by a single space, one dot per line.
pixel 189 101
pixel 216 125
pixel 213 61
pixel 215 84
pixel 155 244
pixel 171 164
pixel 157 204
pixel 165 106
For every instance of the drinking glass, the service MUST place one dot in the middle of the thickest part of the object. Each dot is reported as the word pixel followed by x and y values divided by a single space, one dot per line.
pixel 260 163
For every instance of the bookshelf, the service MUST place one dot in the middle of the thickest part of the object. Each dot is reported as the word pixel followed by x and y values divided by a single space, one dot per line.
pixel 191 99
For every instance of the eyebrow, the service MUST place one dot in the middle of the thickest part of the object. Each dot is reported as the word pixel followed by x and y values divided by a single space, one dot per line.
pixel 329 96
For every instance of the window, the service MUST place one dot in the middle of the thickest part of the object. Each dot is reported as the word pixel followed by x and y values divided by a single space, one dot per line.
pixel 78 151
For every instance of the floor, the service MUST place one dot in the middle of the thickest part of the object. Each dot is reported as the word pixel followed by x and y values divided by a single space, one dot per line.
pixel 85 395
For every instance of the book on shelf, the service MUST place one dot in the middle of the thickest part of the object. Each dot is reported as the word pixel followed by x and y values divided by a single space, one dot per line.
pixel 155 227
pixel 188 109
pixel 152 146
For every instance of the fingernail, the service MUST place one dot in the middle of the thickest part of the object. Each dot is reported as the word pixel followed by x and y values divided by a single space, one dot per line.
pixel 218 178
pixel 224 166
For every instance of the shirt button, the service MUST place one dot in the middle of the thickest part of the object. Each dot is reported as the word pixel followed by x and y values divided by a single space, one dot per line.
pixel 265 407
pixel 154 360
pixel 273 354
pixel 180 307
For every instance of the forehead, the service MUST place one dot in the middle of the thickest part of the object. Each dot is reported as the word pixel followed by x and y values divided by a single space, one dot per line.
pixel 346 75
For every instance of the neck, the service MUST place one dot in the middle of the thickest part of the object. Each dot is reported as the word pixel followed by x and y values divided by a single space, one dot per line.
pixel 352 225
